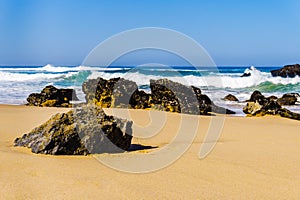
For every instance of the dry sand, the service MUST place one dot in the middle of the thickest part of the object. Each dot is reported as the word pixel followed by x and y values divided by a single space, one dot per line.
pixel 255 158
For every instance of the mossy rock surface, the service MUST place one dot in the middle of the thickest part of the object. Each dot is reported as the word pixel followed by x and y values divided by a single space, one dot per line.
pixel 51 96
pixel 83 130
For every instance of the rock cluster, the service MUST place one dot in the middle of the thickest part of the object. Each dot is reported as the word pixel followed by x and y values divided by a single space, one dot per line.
pixel 165 95
pixel 50 96
pixel 259 105
pixel 287 71
pixel 83 130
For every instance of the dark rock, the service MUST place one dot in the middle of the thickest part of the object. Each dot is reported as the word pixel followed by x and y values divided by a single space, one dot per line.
pixel 115 92
pixel 287 99
pixel 272 98
pixel 297 95
pixel 50 96
pixel 123 91
pixel 197 91
pixel 287 71
pixel 246 75
pixel 174 97
pixel 230 97
pixel 258 97
pixel 258 105
pixel 288 114
pixel 206 105
pixel 221 110
pixel 99 91
pixel 83 130
pixel 140 100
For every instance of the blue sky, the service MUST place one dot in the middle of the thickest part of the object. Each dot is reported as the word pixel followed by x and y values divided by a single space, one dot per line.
pixel 63 32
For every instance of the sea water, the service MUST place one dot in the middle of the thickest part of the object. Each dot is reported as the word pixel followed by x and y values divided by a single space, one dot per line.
pixel 17 82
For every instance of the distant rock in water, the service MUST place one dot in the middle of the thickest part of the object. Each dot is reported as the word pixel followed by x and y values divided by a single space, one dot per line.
pixel 249 71
pixel 259 105
pixel 230 97
pixel 287 71
pixel 246 74
pixel 50 96
pixel 165 95
pixel 83 130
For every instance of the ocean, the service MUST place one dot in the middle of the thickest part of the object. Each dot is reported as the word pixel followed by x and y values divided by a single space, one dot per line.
pixel 17 82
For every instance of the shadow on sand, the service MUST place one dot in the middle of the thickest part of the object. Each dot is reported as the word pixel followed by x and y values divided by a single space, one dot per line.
pixel 137 147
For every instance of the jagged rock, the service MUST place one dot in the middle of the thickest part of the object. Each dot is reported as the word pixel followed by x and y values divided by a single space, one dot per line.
pixel 174 97
pixel 99 91
pixel 259 105
pixel 50 96
pixel 197 91
pixel 122 93
pixel 230 97
pixel 115 92
pixel 287 71
pixel 85 129
pixel 287 99
pixel 141 100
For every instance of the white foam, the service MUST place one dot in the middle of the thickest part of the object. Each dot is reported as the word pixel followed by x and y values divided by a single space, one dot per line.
pixel 215 80
pixel 18 77
pixel 52 68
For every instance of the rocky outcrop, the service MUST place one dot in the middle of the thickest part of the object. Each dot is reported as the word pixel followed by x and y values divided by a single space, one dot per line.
pixel 287 71
pixel 83 130
pixel 230 97
pixel 165 95
pixel 259 105
pixel 50 96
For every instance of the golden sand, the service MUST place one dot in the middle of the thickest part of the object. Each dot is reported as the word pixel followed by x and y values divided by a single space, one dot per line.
pixel 254 158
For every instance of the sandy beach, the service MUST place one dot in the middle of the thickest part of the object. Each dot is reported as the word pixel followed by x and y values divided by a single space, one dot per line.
pixel 255 158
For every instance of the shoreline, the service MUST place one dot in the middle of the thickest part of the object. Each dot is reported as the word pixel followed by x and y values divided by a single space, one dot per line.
pixel 255 157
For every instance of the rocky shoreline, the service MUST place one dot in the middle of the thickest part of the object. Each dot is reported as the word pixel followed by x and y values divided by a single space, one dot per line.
pixel 87 129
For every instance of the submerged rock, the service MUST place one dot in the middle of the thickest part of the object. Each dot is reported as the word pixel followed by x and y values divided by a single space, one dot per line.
pixel 287 71
pixel 230 97
pixel 50 96
pixel 259 105
pixel 83 130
